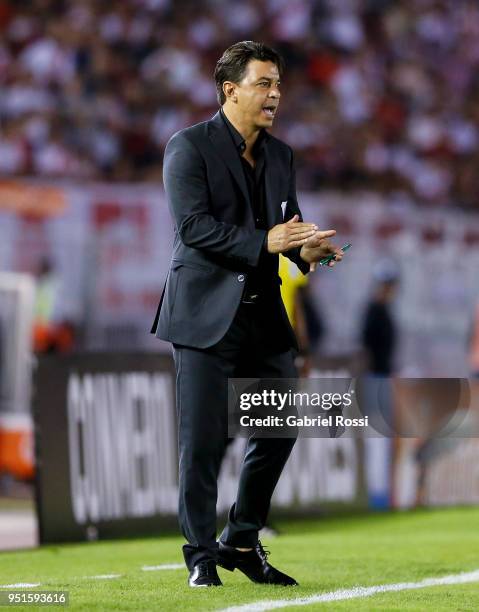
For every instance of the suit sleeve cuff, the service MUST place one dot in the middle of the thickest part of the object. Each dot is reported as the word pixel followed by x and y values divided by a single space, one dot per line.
pixel 295 256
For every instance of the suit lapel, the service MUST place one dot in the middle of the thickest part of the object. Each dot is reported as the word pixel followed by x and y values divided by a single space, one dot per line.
pixel 224 145
pixel 226 150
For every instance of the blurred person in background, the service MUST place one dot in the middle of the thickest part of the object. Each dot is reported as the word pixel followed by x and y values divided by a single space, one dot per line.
pixel 46 296
pixel 379 336
pixel 51 334
pixel 379 330
pixel 231 190
pixel 292 283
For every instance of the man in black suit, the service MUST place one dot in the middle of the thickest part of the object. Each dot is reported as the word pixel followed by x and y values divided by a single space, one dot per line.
pixel 231 190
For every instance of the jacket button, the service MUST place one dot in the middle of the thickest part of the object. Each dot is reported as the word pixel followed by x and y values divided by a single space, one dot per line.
pixel 241 277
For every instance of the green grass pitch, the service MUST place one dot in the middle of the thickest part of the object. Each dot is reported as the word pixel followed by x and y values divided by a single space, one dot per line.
pixel 323 555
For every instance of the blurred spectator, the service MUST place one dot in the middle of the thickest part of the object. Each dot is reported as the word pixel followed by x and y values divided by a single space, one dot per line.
pixel 379 339
pixel 292 282
pixel 50 334
pixel 45 302
pixel 380 93
pixel 379 331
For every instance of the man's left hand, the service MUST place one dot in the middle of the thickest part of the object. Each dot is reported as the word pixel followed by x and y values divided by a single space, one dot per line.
pixel 316 248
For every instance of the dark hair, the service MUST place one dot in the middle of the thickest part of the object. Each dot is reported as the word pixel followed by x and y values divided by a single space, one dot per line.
pixel 232 64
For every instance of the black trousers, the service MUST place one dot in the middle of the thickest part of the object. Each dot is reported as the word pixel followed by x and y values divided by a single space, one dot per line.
pixel 248 350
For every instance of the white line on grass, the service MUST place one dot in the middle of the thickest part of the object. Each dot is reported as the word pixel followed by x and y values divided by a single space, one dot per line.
pixel 355 592
pixel 105 576
pixel 20 585
pixel 145 568
pixel 166 566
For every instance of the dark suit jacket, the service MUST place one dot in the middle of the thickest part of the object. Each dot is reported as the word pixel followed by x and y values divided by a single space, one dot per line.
pixel 216 242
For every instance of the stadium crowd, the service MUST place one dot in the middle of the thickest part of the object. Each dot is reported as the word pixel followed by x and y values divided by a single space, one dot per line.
pixel 377 93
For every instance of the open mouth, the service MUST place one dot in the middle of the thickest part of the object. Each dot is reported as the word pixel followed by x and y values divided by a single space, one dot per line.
pixel 269 111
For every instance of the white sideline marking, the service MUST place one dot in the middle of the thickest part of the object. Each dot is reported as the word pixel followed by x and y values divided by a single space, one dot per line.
pixel 355 592
pixel 166 566
pixel 145 568
pixel 105 576
pixel 20 585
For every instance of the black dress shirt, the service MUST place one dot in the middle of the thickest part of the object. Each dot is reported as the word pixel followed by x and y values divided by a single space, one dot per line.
pixel 261 277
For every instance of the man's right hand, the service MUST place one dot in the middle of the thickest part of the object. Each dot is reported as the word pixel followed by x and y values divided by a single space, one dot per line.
pixel 289 235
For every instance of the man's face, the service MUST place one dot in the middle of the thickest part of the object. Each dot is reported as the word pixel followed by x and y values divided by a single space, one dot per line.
pixel 258 94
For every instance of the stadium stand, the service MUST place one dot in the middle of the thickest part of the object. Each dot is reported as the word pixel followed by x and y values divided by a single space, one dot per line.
pixel 379 93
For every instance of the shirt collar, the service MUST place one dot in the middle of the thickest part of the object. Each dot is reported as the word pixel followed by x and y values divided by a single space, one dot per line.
pixel 239 141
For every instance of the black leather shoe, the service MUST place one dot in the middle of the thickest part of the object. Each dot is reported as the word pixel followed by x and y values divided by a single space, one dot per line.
pixel 254 564
pixel 204 574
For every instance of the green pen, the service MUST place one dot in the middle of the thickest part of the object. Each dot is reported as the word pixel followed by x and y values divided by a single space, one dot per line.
pixel 329 258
